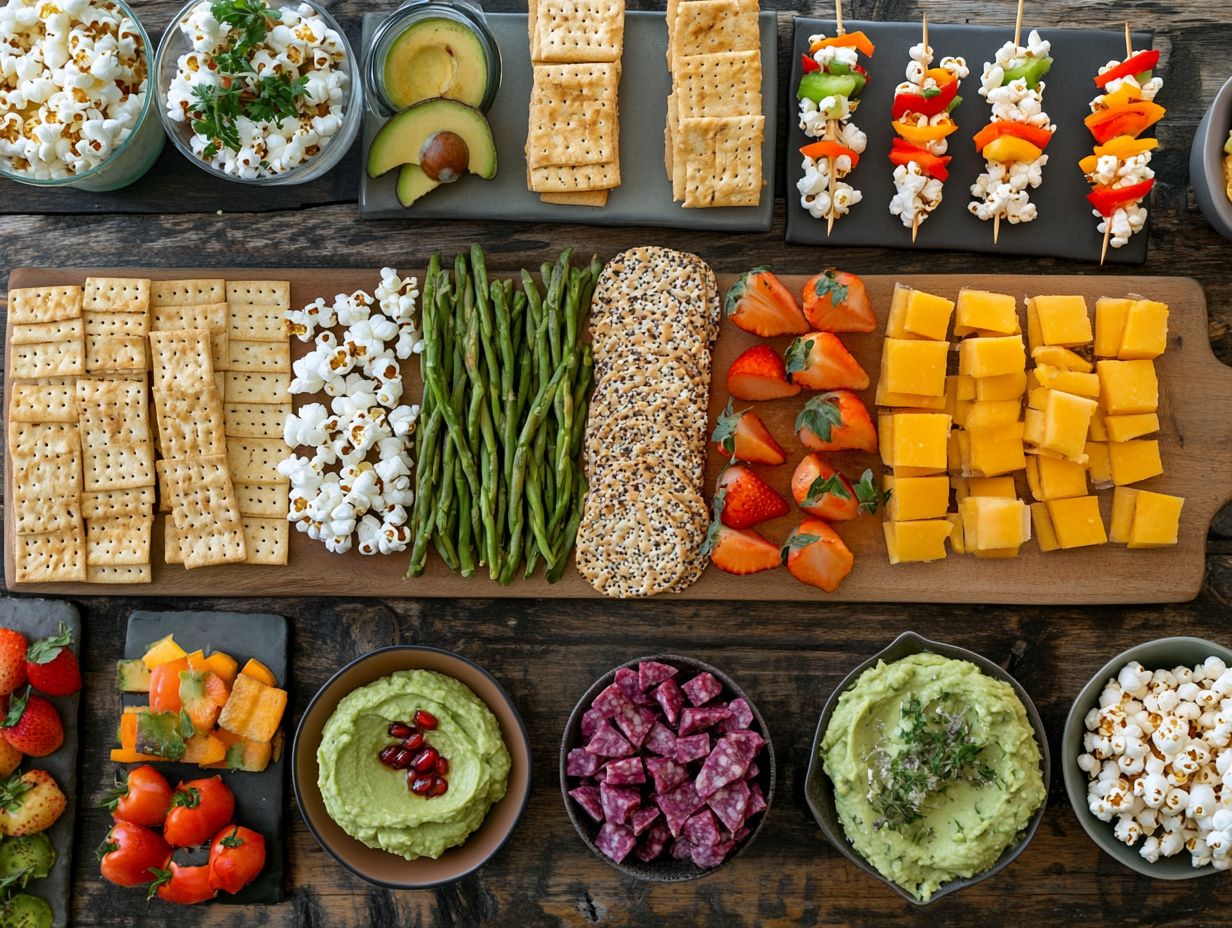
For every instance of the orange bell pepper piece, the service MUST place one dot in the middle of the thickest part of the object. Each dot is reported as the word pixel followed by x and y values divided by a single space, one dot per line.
pixel 857 40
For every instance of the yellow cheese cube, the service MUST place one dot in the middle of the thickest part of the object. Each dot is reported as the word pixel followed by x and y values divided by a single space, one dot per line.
pixel 1124 499
pixel 960 486
pixel 1045 535
pixel 1059 479
pixel 991 486
pixel 1055 378
pixel 919 440
pixel 914 498
pixel 1063 320
pixel 928 316
pixel 1038 397
pixel 1034 337
pixel 997 451
pixel 953 454
pixel 908 400
pixel 1056 356
pixel 1127 387
pixel 988 312
pixel 1131 461
pixel 1067 419
pixel 997 552
pixel 962 444
pixel 916 541
pixel 885 438
pixel 962 409
pixel 1146 331
pixel 1033 483
pixel 994 522
pixel 1157 519
pixel 1123 428
pixel 1077 522
pixel 896 323
pixel 1002 387
pixel 956 533
pixel 964 386
pixel 990 414
pixel 1099 464
pixel 988 357
pixel 1033 426
pixel 913 366
pixel 1110 317
pixel 1099 430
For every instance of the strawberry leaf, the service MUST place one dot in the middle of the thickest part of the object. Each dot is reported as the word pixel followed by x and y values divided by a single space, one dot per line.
pixel 833 485
pixel 739 288
pixel 716 522
pixel 17 708
pixel 797 356
pixel 820 415
pixel 797 540
pixel 724 434
pixel 12 790
pixel 828 285
pixel 46 650
pixel 871 499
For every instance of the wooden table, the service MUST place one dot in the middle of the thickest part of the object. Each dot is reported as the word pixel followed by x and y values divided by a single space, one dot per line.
pixel 788 657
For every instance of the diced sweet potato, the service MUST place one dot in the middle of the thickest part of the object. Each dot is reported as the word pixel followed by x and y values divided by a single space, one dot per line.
pixel 254 668
pixel 242 754
pixel 126 756
pixel 254 710
pixel 204 750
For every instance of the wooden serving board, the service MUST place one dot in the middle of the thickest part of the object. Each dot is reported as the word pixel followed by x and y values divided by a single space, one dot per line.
pixel 1195 437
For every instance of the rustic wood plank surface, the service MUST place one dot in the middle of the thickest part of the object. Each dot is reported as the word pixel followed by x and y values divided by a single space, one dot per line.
pixel 787 656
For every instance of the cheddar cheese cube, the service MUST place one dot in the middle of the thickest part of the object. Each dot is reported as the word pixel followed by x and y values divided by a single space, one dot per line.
pixel 1132 461
pixel 1123 428
pixel 962 409
pixel 1127 387
pixel 916 541
pixel 1110 315
pixel 997 552
pixel 996 451
pixel 991 486
pixel 1099 430
pixel 1033 426
pixel 1034 338
pixel 1077 522
pixel 896 323
pixel 1145 335
pixel 1124 499
pixel 1063 358
pixel 956 451
pixel 916 498
pixel 991 356
pixel 1001 387
pixel 1050 478
pixel 1099 464
pixel 927 315
pixel 908 400
pixel 963 386
pixel 1076 382
pixel 1157 519
pixel 1067 419
pixel 914 366
pixel 957 542
pixel 993 523
pixel 1045 535
pixel 991 414
pixel 1063 320
pixel 983 311
pixel 1038 398
pixel 917 440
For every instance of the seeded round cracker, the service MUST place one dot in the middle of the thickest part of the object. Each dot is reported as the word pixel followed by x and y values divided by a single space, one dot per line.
pixel 630 540
pixel 618 441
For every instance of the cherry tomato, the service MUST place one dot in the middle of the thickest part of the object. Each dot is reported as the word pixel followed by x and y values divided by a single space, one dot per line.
pixel 142 797
pixel 237 857
pixel 183 885
pixel 130 853
pixel 199 809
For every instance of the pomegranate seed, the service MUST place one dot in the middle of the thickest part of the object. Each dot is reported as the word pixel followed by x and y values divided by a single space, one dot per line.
pixel 425 720
pixel 439 787
pixel 401 759
pixel 387 754
pixel 425 760
pixel 420 785
pixel 399 730
pixel 414 741
pixel 442 767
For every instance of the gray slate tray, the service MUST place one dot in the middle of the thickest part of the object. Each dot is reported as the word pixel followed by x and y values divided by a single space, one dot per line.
pixel 41 618
pixel 644 197
pixel 258 796
pixel 1065 227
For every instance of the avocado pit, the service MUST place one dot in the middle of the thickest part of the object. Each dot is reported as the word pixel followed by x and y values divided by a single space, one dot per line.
pixel 444 157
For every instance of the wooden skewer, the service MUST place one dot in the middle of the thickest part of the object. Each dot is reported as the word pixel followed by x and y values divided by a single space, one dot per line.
pixel 915 219
pixel 996 220
pixel 831 130
pixel 1103 251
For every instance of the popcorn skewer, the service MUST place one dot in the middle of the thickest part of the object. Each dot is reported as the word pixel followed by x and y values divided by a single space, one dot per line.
pixel 996 222
pixel 1103 250
pixel 915 218
pixel 832 127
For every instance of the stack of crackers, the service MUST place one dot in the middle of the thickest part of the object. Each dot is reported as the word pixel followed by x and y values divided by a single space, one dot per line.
pixel 573 138
pixel 715 124
pixel 654 319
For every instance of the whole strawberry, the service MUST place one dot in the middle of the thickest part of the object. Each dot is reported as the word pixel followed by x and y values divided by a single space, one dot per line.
pixel 29 803
pixel 32 725
pixel 12 661
pixel 51 665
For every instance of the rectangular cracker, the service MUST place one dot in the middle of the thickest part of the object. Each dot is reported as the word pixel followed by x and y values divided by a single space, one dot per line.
pixel 50 556
pixel 28 440
pixel 210 316
pixel 701 27
pixel 44 304
pixel 191 424
pixel 36 514
pixel 120 541
pixel 266 541
pixel 244 387
pixel 254 420
pixel 275 293
pixel 58 476
pixel 187 292
pixel 97 323
pixel 256 323
pixel 48 399
pixel 117 467
pixel 34 333
pixel 573 115
pixel 181 360
pixel 723 157
pixel 719 84
pixel 578 198
pixel 209 545
pixel 130 573
pixel 171 543
pixel 265 500
pixel 573 178
pixel 48 359
pixel 200 491
pixel 255 460
pixel 125 394
pixel 579 30
pixel 116 295
pixel 107 504
pixel 252 357
pixel 110 353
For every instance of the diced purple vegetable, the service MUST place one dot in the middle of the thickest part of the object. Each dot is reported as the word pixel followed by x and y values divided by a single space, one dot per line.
pixel 643 818
pixel 731 803
pixel 651 673
pixel 695 720
pixel 692 748
pixel 627 680
pixel 661 740
pixel 728 761
pixel 679 804
pixel 588 798
pixel 670 699
pixel 635 722
pixel 702 688
pixel 653 843
pixel 611 702
pixel 581 763
pixel 615 841
pixel 627 771
pixel 618 802
pixel 591 720
pixel 608 742
pixel 666 773
pixel 741 716
pixel 702 828
pixel 709 856
pixel 746 743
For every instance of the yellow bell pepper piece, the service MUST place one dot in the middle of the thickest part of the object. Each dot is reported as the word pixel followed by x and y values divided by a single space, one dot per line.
pixel 1123 146
pixel 1009 148
pixel 922 134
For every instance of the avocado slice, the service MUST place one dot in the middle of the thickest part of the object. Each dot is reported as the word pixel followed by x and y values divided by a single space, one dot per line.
pixel 133 676
pixel 436 57
pixel 413 183
pixel 159 733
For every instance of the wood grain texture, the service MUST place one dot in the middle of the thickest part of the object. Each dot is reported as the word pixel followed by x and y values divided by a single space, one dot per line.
pixel 789 657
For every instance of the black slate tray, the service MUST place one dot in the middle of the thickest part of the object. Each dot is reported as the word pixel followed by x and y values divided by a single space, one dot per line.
pixel 41 618
pixel 1065 228
pixel 258 796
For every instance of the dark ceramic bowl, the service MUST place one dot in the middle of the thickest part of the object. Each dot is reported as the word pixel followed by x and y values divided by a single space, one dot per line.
pixel 1163 652
pixel 1206 162
pixel 666 869
pixel 377 866
pixel 819 790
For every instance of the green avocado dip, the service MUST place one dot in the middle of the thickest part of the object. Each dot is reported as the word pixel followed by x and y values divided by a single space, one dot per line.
pixel 373 803
pixel 935 767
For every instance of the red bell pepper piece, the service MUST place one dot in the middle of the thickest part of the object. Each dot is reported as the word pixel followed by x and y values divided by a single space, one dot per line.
pixel 809 63
pixel 903 152
pixel 825 148
pixel 1132 119
pixel 1134 64
pixel 927 105
pixel 994 130
pixel 1107 200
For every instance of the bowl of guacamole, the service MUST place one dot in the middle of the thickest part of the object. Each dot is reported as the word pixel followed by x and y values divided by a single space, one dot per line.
pixel 929 769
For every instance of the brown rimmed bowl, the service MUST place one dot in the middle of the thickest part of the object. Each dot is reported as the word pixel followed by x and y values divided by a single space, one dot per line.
pixel 377 866
pixel 665 869
pixel 819 790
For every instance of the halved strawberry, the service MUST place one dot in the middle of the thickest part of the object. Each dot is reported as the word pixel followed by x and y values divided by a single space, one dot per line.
pixel 822 491
pixel 835 301
pixel 743 499
pixel 836 421
pixel 759 303
pixel 758 374
pixel 739 551
pixel 820 361
pixel 743 436
pixel 815 554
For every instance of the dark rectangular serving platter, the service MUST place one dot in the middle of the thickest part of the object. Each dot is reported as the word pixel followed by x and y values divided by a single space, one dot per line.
pixel 1065 227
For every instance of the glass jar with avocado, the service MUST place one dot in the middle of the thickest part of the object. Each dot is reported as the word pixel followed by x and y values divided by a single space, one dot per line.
pixel 432 48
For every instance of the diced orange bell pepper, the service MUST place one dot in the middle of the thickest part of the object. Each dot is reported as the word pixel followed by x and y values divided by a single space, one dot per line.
pixel 1121 96
pixel 254 668
pixel 204 750
pixel 994 130
pixel 1124 146
pixel 1089 164
pixel 220 663
pixel 857 40
pixel 125 756
pixel 1132 119
pixel 825 148
pixel 165 686
pixel 128 731
pixel 920 135
pixel 1010 148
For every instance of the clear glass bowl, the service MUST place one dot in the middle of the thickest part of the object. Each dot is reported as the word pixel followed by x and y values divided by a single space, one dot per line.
pixel 174 44
pixel 133 157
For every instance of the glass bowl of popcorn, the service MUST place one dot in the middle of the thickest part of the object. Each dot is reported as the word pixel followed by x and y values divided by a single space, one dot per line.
pixel 75 107
pixel 256 93
pixel 1147 758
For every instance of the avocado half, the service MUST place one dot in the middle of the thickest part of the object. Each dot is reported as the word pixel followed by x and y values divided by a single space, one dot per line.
pixel 436 57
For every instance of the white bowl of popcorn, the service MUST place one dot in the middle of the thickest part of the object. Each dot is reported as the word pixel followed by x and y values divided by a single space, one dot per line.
pixel 258 92
pixel 1147 758
pixel 74 94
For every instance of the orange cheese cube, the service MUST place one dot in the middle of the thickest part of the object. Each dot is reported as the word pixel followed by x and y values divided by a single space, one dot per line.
pixel 1067 419
pixel 994 523
pixel 963 386
pixel 916 439
pixel 990 356
pixel 1056 356
pixel 1127 387
pixel 1077 522
pixel 1034 337
pixel 1110 315
pixel 1157 519
pixel 980 310
pixel 916 498
pixel 913 366
pixel 962 409
pixel 996 451
pixel 1045 535
pixel 1099 431
pixel 1033 426
pixel 927 315
pixel 1099 464
pixel 1038 398
pixel 991 486
pixel 1063 320
pixel 1055 479
pixel 1002 387
pixel 990 414
pixel 1123 428
pixel 953 452
pixel 908 400
pixel 997 552
pixel 957 542
pixel 916 541
pixel 1131 461
pixel 1146 331
pixel 1076 382
pixel 896 322
pixel 1124 499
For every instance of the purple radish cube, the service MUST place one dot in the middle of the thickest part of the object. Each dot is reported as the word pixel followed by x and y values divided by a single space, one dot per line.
pixel 670 699
pixel 702 688
pixel 666 773
pixel 627 771
pixel 635 722
pixel 653 843
pixel 608 742
pixel 591 720
pixel 618 802
pixel 731 804
pixel 615 841
pixel 651 673
pixel 692 748
pixel 702 828
pixel 695 720
pixel 644 817
pixel 580 763
pixel 741 716
pixel 708 856
pixel 725 764
pixel 611 701
pixel 660 740
pixel 588 798
pixel 678 805
pixel 627 680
